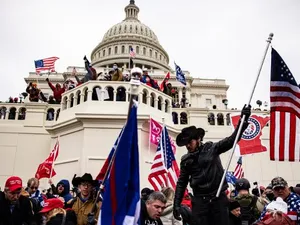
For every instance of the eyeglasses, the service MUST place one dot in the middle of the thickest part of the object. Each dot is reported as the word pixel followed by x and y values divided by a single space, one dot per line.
pixel 85 184
pixel 34 188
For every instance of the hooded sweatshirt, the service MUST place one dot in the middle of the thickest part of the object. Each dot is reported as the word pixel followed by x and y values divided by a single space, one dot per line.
pixel 66 192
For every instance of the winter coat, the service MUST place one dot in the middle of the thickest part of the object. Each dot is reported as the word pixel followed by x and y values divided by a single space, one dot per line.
pixel 82 210
pixel 22 212
pixel 145 219
pixel 203 168
pixel 117 76
pixel 66 193
pixel 167 217
pixel 56 93
pixel 233 220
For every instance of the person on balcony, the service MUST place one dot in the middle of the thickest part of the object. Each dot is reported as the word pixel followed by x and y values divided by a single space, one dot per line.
pixel 91 72
pixel 57 91
pixel 146 79
pixel 117 74
pixel 34 93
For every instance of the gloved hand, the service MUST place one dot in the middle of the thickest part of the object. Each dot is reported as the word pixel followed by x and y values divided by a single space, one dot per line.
pixel 177 212
pixel 91 219
pixel 84 58
pixel 47 79
pixel 246 111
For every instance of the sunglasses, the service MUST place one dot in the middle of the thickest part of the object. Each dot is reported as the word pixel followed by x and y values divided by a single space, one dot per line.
pixel 34 188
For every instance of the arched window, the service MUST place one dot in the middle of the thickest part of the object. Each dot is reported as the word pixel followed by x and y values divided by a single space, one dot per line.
pixel 22 114
pixel 72 100
pixel 145 94
pixel 136 29
pixel 150 52
pixel 110 91
pixel 167 106
pixel 96 95
pixel 121 94
pixel 116 49
pixel 125 28
pixel 78 94
pixel 130 29
pixel 159 57
pixel 144 51
pixel 152 99
pixel 50 114
pixel 109 51
pixel 85 94
pixel 228 122
pixel 220 119
pixel 156 55
pixel 103 52
pixel 211 119
pixel 123 49
pixel 175 117
pixel 2 113
pixel 160 100
pixel 183 118
pixel 137 50
pixel 12 113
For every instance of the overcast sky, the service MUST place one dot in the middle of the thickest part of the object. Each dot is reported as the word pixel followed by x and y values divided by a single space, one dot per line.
pixel 211 39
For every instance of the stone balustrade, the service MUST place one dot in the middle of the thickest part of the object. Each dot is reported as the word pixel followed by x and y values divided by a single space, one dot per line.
pixel 112 91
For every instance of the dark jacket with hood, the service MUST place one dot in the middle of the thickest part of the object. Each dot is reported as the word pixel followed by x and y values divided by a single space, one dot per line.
pixel 66 192
pixel 203 168
pixel 19 214
pixel 145 219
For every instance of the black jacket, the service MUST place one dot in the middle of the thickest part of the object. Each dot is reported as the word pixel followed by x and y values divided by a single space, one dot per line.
pixel 233 220
pixel 21 215
pixel 144 217
pixel 203 168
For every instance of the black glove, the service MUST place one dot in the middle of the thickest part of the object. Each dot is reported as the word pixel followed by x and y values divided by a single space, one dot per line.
pixel 84 58
pixel 91 219
pixel 30 84
pixel 47 79
pixel 246 111
pixel 177 213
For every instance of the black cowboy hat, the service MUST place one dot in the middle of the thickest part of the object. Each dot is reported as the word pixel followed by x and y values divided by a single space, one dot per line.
pixel 189 133
pixel 87 177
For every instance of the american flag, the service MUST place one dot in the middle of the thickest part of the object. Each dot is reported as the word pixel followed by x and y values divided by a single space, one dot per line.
pixel 285 112
pixel 132 53
pixel 238 171
pixel 164 170
pixel 45 64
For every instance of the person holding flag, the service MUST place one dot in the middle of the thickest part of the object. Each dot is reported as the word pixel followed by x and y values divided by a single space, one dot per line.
pixel 202 167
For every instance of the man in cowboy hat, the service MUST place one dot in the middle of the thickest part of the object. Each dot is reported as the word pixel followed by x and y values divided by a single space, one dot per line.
pixel 84 203
pixel 202 167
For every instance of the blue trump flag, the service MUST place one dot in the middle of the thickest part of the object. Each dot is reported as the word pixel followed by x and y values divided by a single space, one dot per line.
pixel 230 178
pixel 121 200
pixel 180 76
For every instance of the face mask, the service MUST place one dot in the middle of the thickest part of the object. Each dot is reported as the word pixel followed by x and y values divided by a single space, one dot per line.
pixel 115 67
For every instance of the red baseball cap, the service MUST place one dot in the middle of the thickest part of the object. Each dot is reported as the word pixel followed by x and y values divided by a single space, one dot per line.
pixel 13 183
pixel 52 203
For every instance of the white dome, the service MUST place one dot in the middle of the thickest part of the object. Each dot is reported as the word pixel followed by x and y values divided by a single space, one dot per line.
pixel 115 45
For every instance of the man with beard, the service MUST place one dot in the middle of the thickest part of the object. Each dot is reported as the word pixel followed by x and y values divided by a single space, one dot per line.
pixel 15 209
pixel 202 167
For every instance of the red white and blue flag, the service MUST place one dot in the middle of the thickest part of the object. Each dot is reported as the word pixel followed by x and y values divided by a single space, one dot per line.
pixel 121 200
pixel 285 112
pixel 238 171
pixel 47 64
pixel 131 52
pixel 164 170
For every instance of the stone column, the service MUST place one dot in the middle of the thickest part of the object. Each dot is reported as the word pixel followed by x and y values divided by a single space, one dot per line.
pixel 148 100
pixel 163 106
pixel 89 97
pixel 115 95
pixel 156 103
pixel 179 94
pixel 81 97
pixel 75 100
pixel 69 103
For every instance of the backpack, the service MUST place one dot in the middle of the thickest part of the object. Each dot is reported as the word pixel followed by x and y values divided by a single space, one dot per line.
pixel 276 219
pixel 247 212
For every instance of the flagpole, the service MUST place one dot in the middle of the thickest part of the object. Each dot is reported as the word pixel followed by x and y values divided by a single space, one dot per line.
pixel 165 144
pixel 243 118
pixel 55 154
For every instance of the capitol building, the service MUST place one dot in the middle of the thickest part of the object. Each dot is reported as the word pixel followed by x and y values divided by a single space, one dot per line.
pixel 88 128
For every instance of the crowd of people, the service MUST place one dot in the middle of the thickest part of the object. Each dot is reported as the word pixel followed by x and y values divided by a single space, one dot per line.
pixel 115 74
pixel 28 205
